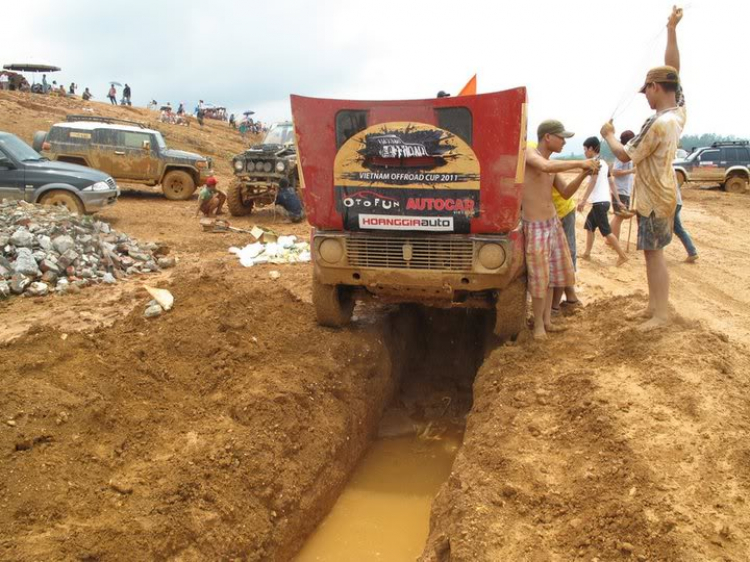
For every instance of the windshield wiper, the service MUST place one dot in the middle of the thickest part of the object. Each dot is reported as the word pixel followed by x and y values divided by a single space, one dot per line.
pixel 41 159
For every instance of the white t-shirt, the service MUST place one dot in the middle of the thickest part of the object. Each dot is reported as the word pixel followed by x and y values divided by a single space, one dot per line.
pixel 600 194
pixel 624 184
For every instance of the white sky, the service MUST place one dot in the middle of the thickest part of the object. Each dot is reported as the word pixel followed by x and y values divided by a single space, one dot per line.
pixel 578 59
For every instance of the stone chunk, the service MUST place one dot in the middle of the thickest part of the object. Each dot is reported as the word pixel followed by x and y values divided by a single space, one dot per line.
pixel 37 290
pixel 25 263
pixel 18 283
pixel 22 238
pixel 63 243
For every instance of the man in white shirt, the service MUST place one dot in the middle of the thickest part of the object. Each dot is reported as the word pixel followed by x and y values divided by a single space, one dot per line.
pixel 598 194
pixel 4 81
pixel 623 174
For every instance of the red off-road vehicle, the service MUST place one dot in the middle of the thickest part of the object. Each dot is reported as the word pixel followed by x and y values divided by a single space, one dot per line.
pixel 416 201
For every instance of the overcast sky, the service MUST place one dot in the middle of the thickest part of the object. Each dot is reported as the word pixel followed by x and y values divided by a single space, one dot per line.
pixel 579 60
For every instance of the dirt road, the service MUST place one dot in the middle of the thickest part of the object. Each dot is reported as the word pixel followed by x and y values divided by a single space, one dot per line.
pixel 226 428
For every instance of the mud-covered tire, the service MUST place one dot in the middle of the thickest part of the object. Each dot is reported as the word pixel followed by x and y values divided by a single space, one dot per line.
pixel 38 141
pixel 237 207
pixel 736 184
pixel 60 198
pixel 334 304
pixel 680 178
pixel 510 310
pixel 178 185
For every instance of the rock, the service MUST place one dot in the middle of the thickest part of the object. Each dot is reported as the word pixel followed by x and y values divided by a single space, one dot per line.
pixel 63 243
pixel 109 279
pixel 166 262
pixel 50 277
pixel 22 238
pixel 163 297
pixel 5 273
pixel 121 487
pixel 274 274
pixel 4 240
pixel 49 264
pixel 39 255
pixel 153 311
pixel 18 283
pixel 4 290
pixel 626 547
pixel 37 289
pixel 25 263
pixel 45 243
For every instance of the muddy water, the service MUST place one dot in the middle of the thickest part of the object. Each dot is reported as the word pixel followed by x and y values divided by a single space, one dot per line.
pixel 384 513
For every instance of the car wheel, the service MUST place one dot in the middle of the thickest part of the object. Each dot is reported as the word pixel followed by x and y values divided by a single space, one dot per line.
pixel 237 204
pixel 59 198
pixel 680 178
pixel 736 184
pixel 178 185
pixel 334 304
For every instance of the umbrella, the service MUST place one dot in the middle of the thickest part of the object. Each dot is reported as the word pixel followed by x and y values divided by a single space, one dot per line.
pixel 116 84
pixel 27 67
pixel 248 113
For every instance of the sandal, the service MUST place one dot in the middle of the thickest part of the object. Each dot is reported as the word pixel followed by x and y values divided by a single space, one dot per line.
pixel 571 303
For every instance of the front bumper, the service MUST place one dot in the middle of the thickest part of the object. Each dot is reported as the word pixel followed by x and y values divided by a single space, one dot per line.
pixel 97 200
pixel 440 267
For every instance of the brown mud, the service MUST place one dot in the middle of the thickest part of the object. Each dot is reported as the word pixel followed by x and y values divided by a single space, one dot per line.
pixel 226 428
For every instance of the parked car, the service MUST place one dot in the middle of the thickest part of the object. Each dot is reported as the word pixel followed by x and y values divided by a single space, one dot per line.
pixel 126 150
pixel 726 163
pixel 28 176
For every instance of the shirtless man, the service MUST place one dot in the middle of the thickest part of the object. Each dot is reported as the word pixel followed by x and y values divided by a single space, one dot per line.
pixel 548 261
pixel 655 188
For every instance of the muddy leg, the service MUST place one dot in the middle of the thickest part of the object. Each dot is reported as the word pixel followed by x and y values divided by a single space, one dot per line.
pixel 658 289
pixel 539 305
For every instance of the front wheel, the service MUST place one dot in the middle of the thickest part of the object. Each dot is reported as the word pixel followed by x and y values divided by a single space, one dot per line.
pixel 680 178
pixel 178 185
pixel 59 198
pixel 334 304
pixel 736 184
pixel 510 310
pixel 238 204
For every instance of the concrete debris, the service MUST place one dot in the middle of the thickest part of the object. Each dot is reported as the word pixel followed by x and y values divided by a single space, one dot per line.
pixel 153 310
pixel 286 249
pixel 47 246
pixel 162 297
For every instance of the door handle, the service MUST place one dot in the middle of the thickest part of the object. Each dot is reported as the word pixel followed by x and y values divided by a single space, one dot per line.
pixel 119 153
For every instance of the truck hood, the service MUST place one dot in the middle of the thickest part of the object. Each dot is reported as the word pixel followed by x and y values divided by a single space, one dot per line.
pixel 51 169
pixel 266 149
pixel 182 155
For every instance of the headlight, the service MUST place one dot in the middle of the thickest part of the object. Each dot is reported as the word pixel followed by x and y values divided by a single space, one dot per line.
pixel 331 250
pixel 267 167
pixel 491 256
pixel 98 186
pixel 280 166
pixel 201 164
pixel 251 166
pixel 238 165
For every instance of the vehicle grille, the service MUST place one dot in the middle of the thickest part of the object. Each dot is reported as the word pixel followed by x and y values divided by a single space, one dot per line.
pixel 436 254
pixel 111 183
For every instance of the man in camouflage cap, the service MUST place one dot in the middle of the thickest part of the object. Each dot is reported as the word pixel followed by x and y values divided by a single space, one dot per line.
pixel 655 189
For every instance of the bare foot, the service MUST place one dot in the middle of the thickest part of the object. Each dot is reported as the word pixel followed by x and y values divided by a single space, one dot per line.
pixel 554 329
pixel 621 260
pixel 692 259
pixel 585 256
pixel 654 324
pixel 644 314
pixel 539 334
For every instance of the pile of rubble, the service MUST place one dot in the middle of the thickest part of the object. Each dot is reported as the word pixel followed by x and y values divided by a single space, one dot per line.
pixel 47 248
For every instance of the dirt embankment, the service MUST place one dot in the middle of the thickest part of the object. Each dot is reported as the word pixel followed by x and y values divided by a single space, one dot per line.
pixel 223 430
pixel 24 114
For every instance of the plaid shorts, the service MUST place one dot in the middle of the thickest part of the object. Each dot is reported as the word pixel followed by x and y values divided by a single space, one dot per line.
pixel 548 262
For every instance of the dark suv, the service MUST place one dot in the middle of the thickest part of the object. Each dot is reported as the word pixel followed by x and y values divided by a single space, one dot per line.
pixel 259 169
pixel 726 163
pixel 128 151
pixel 25 175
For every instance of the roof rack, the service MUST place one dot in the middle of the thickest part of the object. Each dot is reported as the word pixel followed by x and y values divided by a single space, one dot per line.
pixel 717 144
pixel 108 120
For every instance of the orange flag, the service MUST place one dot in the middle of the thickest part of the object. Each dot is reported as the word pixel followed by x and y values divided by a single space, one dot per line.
pixel 471 87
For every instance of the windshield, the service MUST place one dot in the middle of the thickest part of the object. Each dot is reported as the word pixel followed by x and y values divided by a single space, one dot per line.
pixel 280 134
pixel 160 141
pixel 19 149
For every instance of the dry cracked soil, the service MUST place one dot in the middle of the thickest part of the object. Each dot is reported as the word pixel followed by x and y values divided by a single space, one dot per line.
pixel 226 428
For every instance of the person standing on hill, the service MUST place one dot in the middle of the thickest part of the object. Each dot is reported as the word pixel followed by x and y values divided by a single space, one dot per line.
pixel 548 261
pixel 598 194
pixel 655 187
pixel 126 94
pixel 112 95
pixel 623 174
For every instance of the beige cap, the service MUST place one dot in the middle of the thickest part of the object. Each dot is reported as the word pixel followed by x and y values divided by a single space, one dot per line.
pixel 661 74
pixel 553 127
